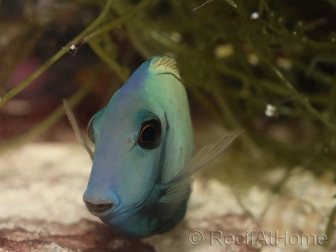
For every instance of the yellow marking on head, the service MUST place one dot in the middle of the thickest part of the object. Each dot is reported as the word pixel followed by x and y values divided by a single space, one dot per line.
pixel 165 63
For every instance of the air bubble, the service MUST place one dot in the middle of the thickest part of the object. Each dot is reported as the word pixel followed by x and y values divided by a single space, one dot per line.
pixel 255 15
pixel 270 110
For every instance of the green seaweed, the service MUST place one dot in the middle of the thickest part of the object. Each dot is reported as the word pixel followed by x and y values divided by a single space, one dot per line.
pixel 233 62
pixel 10 94
pixel 44 125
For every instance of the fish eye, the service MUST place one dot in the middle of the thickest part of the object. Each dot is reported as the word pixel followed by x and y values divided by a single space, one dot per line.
pixel 90 130
pixel 150 134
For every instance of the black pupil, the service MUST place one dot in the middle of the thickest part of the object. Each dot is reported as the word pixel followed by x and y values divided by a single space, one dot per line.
pixel 148 134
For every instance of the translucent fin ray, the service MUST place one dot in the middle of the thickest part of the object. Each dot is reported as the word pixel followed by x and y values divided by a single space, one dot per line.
pixel 76 129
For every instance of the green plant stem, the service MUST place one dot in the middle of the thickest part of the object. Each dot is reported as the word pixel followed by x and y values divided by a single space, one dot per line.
pixel 289 35
pixel 239 52
pixel 6 97
pixel 304 102
pixel 233 73
pixel 333 4
pixel 15 53
pixel 313 72
pixel 205 104
pixel 261 7
pixel 123 19
pixel 143 48
pixel 330 230
pixel 108 60
pixel 231 119
pixel 46 123
pixel 332 101
pixel 278 89
pixel 152 33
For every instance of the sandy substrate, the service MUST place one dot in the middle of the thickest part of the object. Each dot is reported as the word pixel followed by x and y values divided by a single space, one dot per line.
pixel 41 209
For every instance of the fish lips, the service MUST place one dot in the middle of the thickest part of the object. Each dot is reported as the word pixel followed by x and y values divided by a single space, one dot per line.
pixel 131 222
pixel 100 201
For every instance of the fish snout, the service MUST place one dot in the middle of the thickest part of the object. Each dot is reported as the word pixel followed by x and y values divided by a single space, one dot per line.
pixel 99 200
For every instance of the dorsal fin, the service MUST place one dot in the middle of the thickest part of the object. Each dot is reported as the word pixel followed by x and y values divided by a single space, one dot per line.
pixel 165 64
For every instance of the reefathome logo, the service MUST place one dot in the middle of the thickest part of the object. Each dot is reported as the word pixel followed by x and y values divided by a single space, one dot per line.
pixel 257 238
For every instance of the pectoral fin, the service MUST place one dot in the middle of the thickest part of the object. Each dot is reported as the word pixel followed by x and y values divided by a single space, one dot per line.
pixel 206 155
pixel 178 189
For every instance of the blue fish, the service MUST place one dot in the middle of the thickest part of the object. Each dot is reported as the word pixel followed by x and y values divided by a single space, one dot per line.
pixel 140 180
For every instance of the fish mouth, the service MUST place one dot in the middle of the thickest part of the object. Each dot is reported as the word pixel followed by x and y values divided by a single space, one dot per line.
pixel 116 211
pixel 106 209
pixel 98 208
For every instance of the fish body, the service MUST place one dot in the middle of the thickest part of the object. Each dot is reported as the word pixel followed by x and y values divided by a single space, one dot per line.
pixel 140 178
